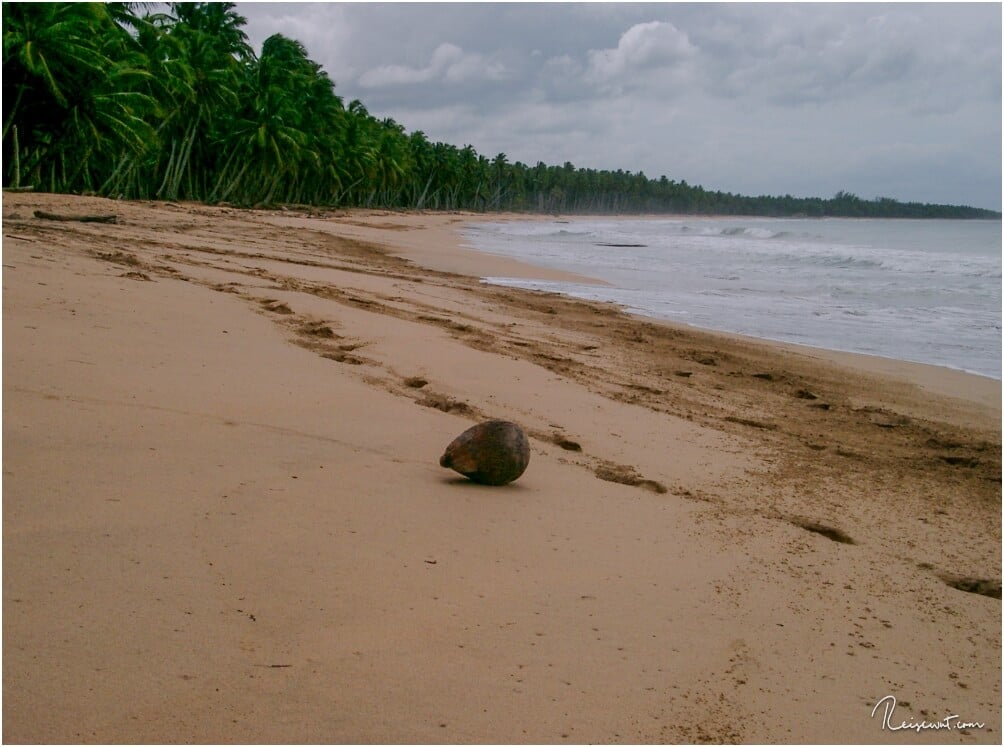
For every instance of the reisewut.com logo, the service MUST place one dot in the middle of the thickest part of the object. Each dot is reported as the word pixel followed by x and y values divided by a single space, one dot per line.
pixel 889 721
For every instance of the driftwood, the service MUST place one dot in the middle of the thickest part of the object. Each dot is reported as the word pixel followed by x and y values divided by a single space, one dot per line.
pixel 79 218
pixel 19 189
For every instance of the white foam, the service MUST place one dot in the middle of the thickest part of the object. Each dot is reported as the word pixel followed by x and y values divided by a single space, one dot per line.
pixel 926 291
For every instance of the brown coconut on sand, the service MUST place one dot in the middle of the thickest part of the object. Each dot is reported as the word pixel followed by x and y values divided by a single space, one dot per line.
pixel 492 453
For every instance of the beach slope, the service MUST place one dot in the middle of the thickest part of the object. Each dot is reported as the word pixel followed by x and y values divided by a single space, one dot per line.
pixel 224 519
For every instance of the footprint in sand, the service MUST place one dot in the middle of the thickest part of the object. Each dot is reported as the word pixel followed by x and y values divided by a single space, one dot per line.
pixel 831 533
pixel 276 306
pixel 626 475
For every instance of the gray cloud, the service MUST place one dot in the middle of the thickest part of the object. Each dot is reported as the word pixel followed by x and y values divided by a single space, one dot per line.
pixel 449 64
pixel 898 100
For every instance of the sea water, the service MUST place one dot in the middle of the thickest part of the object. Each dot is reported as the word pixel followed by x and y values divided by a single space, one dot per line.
pixel 918 290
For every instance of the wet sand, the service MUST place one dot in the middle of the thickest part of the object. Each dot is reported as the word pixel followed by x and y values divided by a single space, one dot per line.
pixel 224 519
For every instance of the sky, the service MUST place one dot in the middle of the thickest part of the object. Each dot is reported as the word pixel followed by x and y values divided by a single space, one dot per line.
pixel 882 100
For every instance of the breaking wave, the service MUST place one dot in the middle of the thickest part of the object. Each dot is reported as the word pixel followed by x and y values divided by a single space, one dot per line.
pixel 926 291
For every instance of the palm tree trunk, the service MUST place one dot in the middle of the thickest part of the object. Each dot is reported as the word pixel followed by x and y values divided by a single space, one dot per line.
pixel 421 200
pixel 235 182
pixel 13 110
pixel 113 181
pixel 184 159
pixel 223 173
pixel 167 171
pixel 17 160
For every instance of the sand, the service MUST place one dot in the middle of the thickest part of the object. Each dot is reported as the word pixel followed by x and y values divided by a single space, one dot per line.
pixel 224 518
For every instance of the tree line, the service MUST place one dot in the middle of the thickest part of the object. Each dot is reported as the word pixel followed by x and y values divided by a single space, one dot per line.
pixel 103 99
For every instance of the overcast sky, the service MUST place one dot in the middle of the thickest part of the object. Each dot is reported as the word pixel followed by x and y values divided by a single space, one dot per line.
pixel 899 100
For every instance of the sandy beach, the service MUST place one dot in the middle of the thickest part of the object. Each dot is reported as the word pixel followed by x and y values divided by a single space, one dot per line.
pixel 224 519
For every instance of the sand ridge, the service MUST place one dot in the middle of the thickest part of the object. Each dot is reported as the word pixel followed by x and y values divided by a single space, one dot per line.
pixel 718 539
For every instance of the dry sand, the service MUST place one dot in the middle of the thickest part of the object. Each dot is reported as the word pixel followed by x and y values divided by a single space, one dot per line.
pixel 224 520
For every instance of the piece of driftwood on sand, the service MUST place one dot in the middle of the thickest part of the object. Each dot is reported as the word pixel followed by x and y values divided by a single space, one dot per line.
pixel 80 218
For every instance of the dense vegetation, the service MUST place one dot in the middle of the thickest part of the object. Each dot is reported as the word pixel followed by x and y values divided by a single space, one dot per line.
pixel 103 99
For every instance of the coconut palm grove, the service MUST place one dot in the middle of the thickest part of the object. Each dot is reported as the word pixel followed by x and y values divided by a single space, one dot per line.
pixel 114 100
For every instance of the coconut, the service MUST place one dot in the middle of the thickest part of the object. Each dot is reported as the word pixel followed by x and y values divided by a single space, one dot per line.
pixel 495 452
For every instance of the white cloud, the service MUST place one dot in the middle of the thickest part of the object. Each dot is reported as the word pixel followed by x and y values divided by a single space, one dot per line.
pixel 449 63
pixel 323 28
pixel 644 46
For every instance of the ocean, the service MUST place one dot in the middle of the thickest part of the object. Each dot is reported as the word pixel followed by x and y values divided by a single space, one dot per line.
pixel 917 290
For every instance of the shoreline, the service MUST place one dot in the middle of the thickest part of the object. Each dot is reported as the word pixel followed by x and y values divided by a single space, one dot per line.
pixel 894 365
pixel 224 518
pixel 465 259
pixel 946 380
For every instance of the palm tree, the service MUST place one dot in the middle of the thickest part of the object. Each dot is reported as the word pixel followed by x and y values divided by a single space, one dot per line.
pixel 71 84
pixel 213 47
pixel 268 134
pixel 47 48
